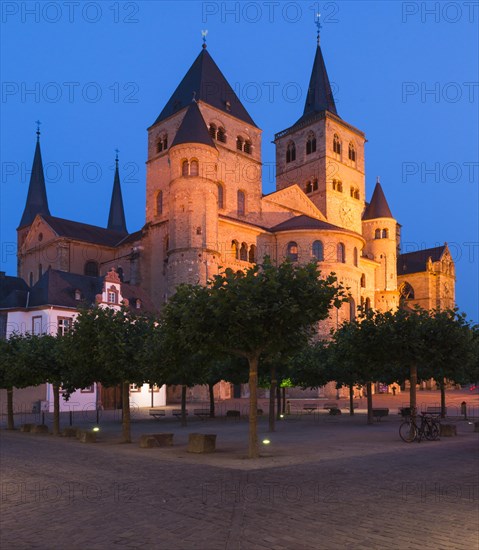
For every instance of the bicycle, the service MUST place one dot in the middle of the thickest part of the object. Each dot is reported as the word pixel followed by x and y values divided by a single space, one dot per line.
pixel 409 430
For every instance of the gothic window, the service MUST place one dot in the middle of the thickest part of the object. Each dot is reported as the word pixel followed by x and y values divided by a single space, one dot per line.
pixel 235 250
pixel 247 147
pixel 241 203
pixel 351 192
pixel 159 203
pixel 352 152
pixel 309 187
pixel 165 143
pixel 194 168
pixel 385 234
pixel 355 256
pixel 363 281
pixel 336 144
pixel 159 146
pixel 239 143
pixel 252 254
pixel 356 194
pixel 315 185
pixel 291 152
pixel 339 186
pixel 341 253
pixel 221 196
pixel 185 169
pixel 367 305
pixel 221 135
pixel 212 131
pixel 311 143
pixel 377 234
pixel 91 269
pixel 162 144
pixel 318 251
pixel 335 185
pixel 244 252
pixel 292 251
pixel 406 291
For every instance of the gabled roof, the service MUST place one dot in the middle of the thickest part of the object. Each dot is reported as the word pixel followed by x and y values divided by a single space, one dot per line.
pixel 415 262
pixel 204 81
pixel 193 128
pixel 84 232
pixel 116 217
pixel 320 96
pixel 37 202
pixel 306 222
pixel 378 207
pixel 13 291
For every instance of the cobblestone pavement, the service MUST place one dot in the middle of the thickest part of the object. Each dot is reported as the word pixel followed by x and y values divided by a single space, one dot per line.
pixel 326 483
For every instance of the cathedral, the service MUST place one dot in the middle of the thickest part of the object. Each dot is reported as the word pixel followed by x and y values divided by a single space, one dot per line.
pixel 205 209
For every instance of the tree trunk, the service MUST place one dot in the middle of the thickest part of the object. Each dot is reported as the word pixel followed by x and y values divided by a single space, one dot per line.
pixel 278 400
pixel 10 422
pixel 369 387
pixel 212 400
pixel 125 412
pixel 253 407
pixel 412 390
pixel 283 406
pixel 56 409
pixel 183 406
pixel 351 399
pixel 272 392
pixel 442 387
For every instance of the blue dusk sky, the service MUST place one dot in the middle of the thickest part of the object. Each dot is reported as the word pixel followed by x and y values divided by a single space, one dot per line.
pixel 97 74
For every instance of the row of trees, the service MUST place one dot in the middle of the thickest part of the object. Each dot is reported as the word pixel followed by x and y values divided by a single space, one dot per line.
pixel 258 326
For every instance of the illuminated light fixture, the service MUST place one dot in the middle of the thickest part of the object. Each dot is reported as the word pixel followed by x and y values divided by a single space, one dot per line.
pixel 281 415
pixel 266 441
pixel 96 429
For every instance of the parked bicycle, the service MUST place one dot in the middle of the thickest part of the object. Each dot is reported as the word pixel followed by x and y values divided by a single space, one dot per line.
pixel 428 428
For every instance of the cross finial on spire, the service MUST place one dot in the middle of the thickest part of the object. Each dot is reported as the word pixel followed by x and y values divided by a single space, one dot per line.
pixel 318 25
pixel 116 157
pixel 37 122
pixel 378 179
pixel 203 35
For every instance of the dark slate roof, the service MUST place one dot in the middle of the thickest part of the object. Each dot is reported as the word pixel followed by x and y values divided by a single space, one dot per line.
pixel 204 81
pixel 193 128
pixel 116 217
pixel 378 207
pixel 84 232
pixel 37 202
pixel 320 96
pixel 13 291
pixel 306 222
pixel 415 262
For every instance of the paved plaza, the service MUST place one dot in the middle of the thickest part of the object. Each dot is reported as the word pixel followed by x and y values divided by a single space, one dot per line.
pixel 324 482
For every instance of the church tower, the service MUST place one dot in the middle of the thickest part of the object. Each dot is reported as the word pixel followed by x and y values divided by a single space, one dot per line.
pixel 324 155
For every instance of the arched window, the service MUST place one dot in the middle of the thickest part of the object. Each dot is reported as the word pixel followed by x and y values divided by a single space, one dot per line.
pixel 363 281
pixel 406 291
pixel 221 196
pixel 292 251
pixel 355 256
pixel 40 270
pixel 91 268
pixel 194 168
pixel 309 187
pixel 247 147
pixel 185 168
pixel 311 143
pixel 291 152
pixel 239 143
pixel 377 234
pixel 221 135
pixel 335 185
pixel 385 234
pixel 241 203
pixel 159 146
pixel 351 192
pixel 352 152
pixel 341 253
pixel 352 309
pixel 212 130
pixel 367 304
pixel 340 186
pixel 315 185
pixel 165 142
pixel 252 254
pixel 235 249
pixel 356 194
pixel 159 203
pixel 162 143
pixel 244 252
pixel 336 144
pixel 318 251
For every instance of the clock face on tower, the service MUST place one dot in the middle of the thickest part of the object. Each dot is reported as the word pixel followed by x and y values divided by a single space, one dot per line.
pixel 346 214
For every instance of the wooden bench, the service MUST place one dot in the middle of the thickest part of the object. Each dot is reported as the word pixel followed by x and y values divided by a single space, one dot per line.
pixel 177 413
pixel 157 413
pixel 310 407
pixel 380 413
pixel 203 414
pixel 435 410
pixel 333 408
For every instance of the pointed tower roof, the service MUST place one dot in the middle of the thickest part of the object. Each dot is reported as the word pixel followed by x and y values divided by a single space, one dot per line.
pixel 193 128
pixel 320 96
pixel 116 217
pixel 37 202
pixel 204 81
pixel 378 207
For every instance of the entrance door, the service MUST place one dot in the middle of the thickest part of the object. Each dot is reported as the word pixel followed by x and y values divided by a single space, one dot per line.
pixel 111 397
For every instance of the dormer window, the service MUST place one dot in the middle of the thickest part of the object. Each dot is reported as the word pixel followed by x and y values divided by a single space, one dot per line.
pixel 112 296
pixel 77 295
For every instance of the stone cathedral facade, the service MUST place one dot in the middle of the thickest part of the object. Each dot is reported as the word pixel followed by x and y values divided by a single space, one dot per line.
pixel 205 209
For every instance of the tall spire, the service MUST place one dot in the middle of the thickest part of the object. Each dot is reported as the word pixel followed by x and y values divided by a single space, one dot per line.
pixel 37 202
pixel 116 218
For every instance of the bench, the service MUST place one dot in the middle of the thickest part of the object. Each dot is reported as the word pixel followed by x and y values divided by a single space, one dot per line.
pixel 177 413
pixel 434 410
pixel 310 407
pixel 233 414
pixel 380 413
pixel 404 411
pixel 203 414
pixel 333 408
pixel 157 413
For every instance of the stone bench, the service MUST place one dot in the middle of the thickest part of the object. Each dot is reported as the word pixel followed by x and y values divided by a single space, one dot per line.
pixel 201 443
pixel 447 430
pixel 157 413
pixel 380 413
pixel 39 429
pixel 148 441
